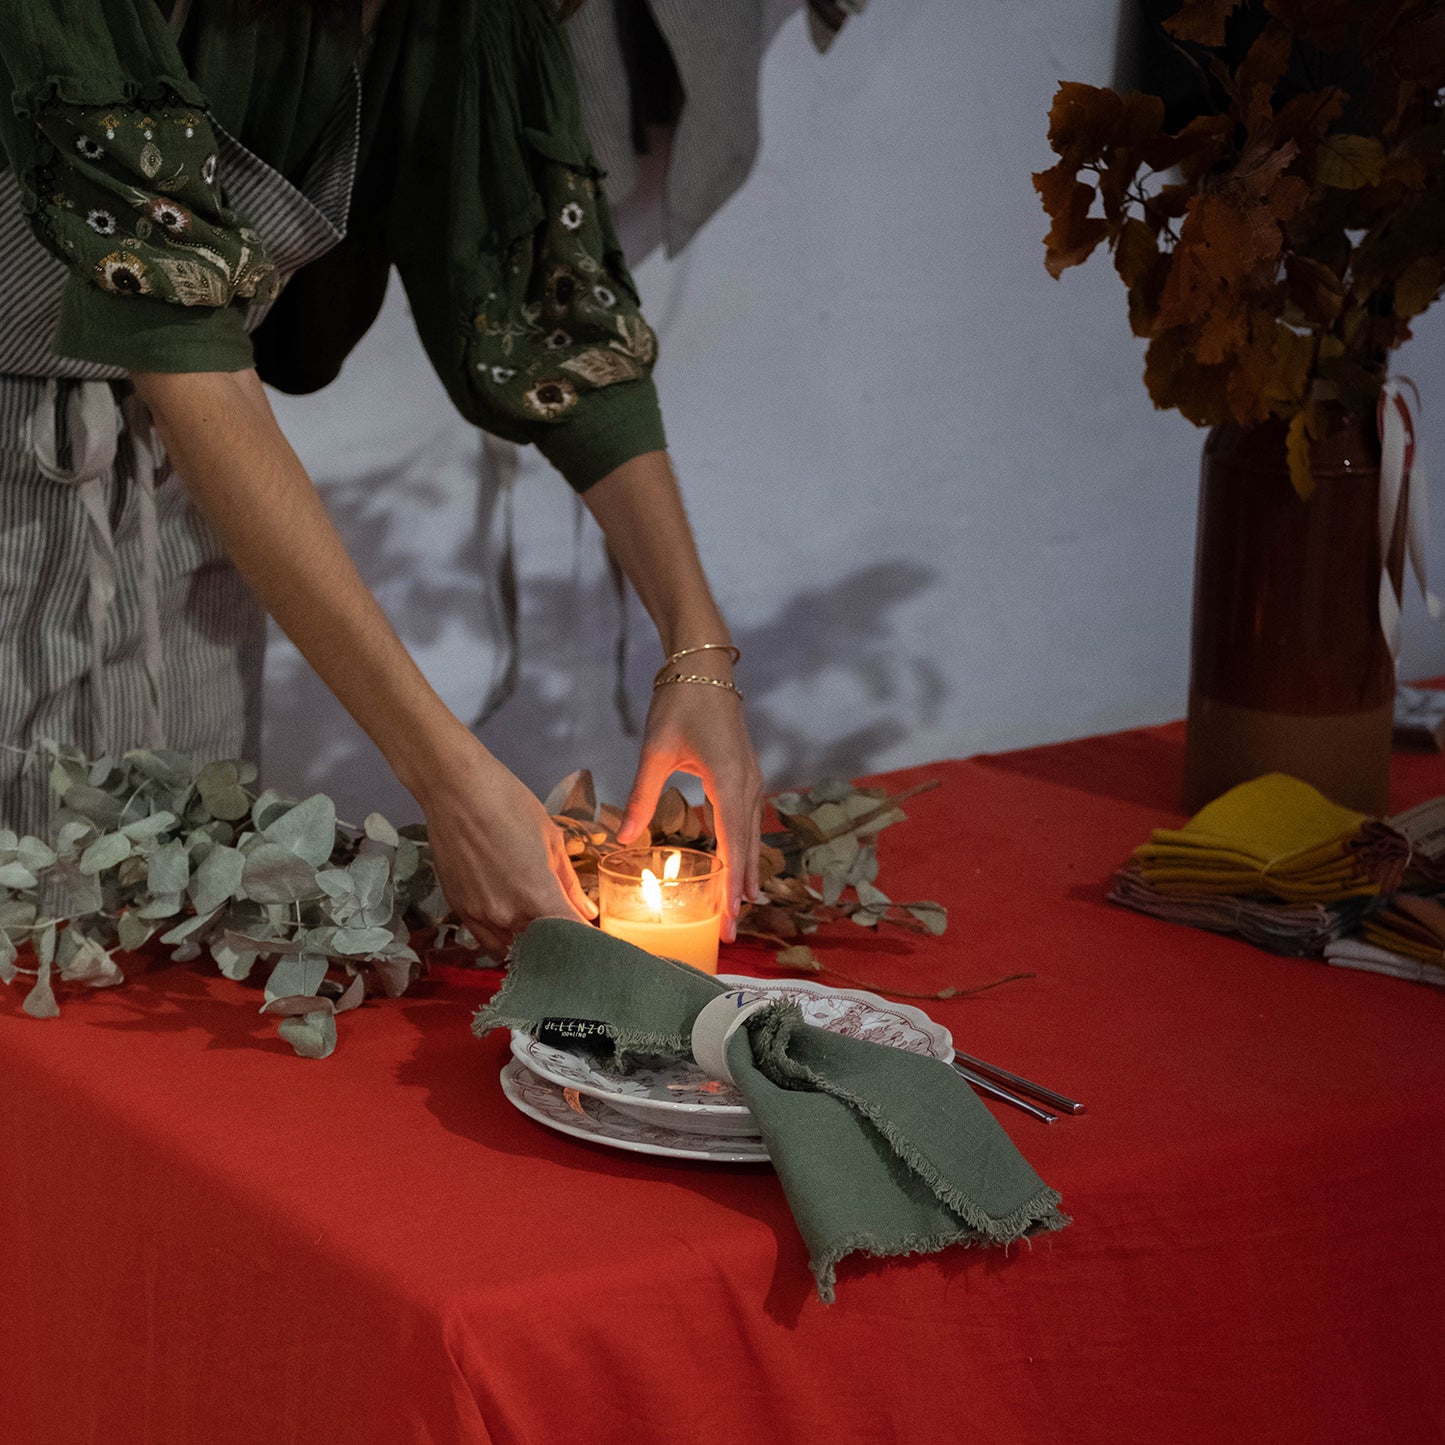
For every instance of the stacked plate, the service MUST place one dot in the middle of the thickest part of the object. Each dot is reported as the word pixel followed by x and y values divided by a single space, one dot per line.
pixel 669 1106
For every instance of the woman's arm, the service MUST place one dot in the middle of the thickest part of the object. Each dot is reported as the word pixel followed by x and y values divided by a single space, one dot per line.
pixel 500 858
pixel 691 727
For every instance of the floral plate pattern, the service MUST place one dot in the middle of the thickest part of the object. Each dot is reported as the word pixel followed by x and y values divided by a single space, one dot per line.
pixel 599 1123
pixel 678 1094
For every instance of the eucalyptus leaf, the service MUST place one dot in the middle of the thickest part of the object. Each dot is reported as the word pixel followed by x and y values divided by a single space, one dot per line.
pixel 217 878
pixel 166 906
pixel 369 876
pixel 150 826
pixel 133 931
pixel 107 850
pixel 868 894
pixel 299 975
pixel 312 1036
pixel 9 840
pixel 358 941
pixel 189 927
pixel 833 886
pixel 267 808
pixel 45 945
pixel 35 855
pixel 267 946
pixel 170 868
pixel 273 874
pixel 235 963
pixel 395 975
pixel 380 831
pixel 93 966
pixel 40 1001
pixel 354 995
pixel 786 804
pixel 102 809
pixel 16 875
pixel 294 1004
pixel 308 829
pixel 335 882
pixel 830 790
pixel 221 792
pixel 72 833
pixel 933 916
pixel 16 913
pixel 8 971
pixel 75 893
pixel 133 870
pixel 407 861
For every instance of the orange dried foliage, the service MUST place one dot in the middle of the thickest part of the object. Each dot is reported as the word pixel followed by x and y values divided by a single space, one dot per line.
pixel 1275 252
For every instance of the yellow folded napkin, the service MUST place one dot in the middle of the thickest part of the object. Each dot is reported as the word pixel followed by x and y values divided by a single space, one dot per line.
pixel 1414 927
pixel 1278 837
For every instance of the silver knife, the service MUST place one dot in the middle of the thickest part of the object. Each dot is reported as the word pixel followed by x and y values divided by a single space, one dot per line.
pixel 997 1091
pixel 1061 1102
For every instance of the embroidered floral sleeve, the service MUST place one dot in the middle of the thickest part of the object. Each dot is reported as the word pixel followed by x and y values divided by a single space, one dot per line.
pixel 130 197
pixel 558 338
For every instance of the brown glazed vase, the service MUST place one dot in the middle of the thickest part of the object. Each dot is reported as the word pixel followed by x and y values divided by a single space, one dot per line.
pixel 1289 669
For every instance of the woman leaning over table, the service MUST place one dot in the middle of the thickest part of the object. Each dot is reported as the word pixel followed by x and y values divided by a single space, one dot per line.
pixel 170 167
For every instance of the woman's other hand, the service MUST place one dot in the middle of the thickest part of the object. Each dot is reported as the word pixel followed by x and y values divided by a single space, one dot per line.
pixel 697 729
pixel 500 859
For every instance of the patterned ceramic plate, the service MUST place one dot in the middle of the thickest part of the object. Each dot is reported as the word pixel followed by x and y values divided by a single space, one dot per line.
pixel 680 1095
pixel 599 1123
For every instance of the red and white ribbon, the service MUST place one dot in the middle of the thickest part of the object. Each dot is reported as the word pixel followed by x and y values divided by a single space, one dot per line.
pixel 1402 483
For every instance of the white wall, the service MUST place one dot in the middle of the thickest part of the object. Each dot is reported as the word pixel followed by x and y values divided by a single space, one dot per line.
pixel 934 499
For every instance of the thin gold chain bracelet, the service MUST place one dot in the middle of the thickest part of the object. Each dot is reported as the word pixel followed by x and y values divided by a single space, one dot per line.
pixel 734 656
pixel 695 677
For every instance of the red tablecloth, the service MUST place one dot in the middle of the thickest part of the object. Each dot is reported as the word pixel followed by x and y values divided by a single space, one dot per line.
pixel 210 1241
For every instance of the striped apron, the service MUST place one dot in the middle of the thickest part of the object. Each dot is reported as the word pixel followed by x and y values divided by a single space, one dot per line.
pixel 122 624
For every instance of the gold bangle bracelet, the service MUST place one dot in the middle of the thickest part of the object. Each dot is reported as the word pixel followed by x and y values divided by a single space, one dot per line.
pixel 734 656
pixel 695 677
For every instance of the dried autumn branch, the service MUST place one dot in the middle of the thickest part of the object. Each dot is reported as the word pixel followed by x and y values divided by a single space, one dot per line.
pixel 1276 250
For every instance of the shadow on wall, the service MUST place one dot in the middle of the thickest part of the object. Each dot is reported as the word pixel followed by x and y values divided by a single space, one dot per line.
pixel 829 690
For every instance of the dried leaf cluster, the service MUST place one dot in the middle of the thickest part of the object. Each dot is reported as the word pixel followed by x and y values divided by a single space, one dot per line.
pixel 1274 252
pixel 820 867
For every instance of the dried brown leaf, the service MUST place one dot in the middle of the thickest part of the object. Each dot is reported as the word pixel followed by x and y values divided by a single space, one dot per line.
pixel 799 957
pixel 1201 21
pixel 670 815
pixel 1074 233
pixel 1348 162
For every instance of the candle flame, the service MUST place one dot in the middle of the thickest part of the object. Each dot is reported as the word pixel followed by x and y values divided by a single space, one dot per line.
pixel 672 867
pixel 652 891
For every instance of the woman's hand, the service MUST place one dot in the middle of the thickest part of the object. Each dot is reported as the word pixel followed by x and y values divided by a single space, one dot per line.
pixel 693 728
pixel 500 859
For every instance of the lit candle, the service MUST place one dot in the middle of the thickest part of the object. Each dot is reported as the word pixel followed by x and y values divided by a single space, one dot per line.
pixel 677 915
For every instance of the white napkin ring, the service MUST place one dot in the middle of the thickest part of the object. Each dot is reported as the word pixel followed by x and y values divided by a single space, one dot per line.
pixel 719 1020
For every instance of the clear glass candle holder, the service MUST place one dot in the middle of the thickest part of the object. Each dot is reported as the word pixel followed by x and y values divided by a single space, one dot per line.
pixel 666 900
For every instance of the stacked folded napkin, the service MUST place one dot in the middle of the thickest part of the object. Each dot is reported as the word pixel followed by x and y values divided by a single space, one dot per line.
pixel 1279 838
pixel 1355 953
pixel 877 1149
pixel 1409 925
pixel 1300 930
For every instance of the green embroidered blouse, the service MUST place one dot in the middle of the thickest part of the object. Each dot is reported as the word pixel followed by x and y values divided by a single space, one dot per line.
pixel 475 180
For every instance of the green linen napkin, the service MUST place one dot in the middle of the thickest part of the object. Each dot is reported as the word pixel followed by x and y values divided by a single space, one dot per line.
pixel 878 1150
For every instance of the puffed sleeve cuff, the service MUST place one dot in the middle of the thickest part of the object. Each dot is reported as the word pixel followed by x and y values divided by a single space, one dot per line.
pixel 608 428
pixel 144 333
